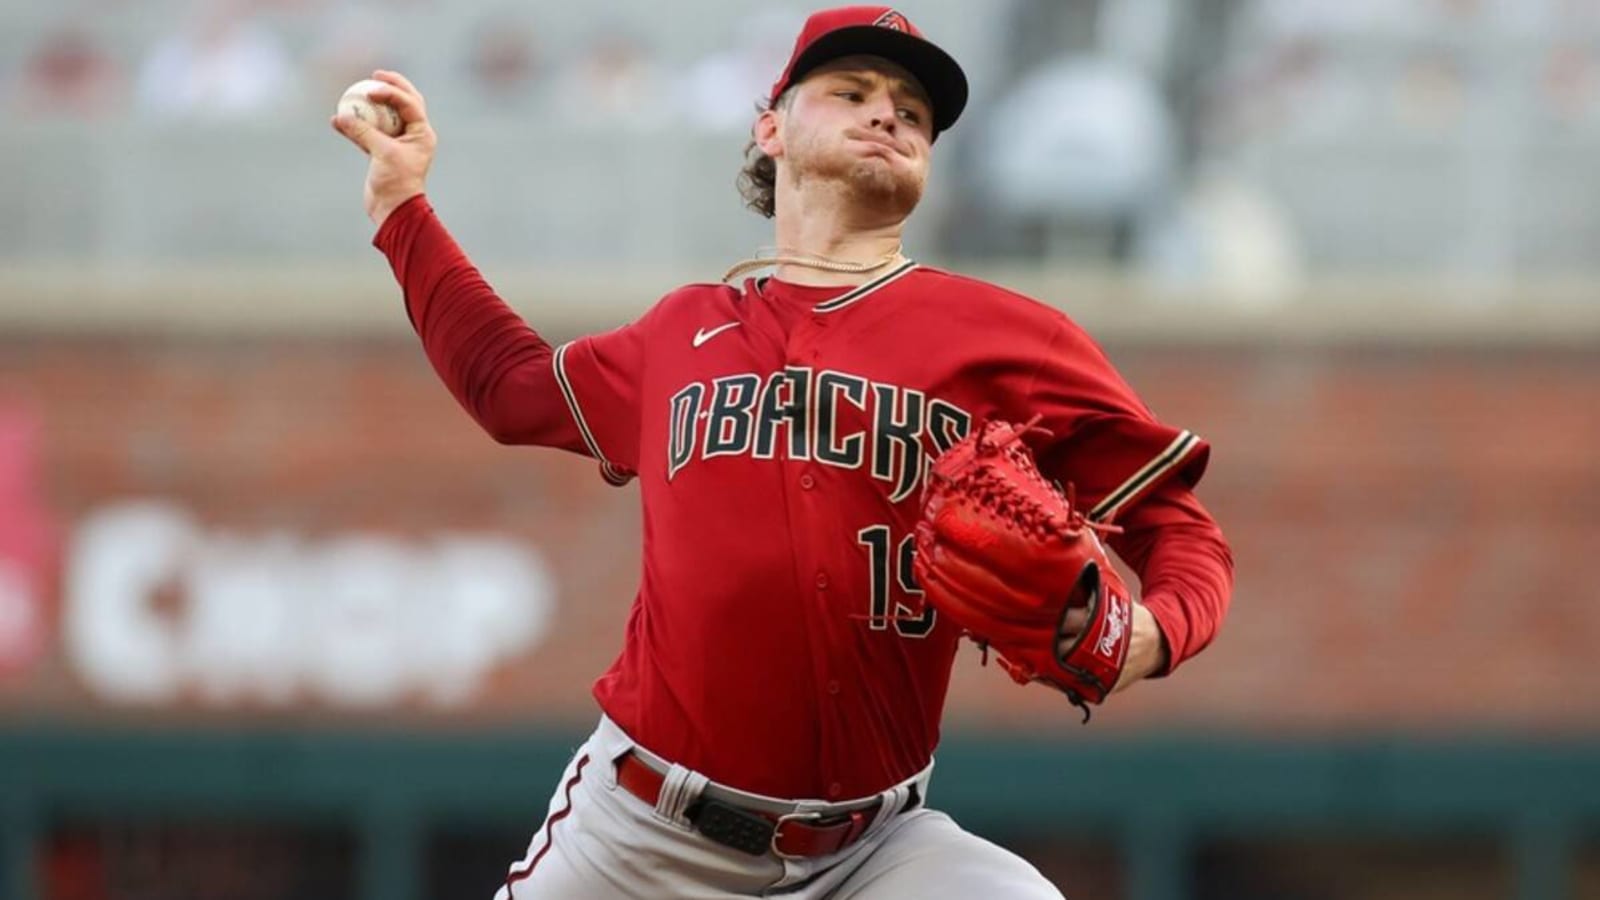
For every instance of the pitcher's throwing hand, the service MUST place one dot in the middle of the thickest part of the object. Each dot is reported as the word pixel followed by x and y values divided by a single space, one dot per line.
pixel 399 167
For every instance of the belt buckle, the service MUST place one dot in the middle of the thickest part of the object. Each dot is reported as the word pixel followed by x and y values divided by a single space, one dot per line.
pixel 810 818
pixel 731 826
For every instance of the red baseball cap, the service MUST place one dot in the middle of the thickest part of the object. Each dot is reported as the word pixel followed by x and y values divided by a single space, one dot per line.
pixel 878 31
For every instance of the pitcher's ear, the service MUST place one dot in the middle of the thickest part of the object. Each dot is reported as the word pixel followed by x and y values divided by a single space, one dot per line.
pixel 765 133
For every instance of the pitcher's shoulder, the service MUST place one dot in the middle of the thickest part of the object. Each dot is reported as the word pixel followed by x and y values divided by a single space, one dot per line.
pixel 696 297
pixel 944 286
pixel 701 292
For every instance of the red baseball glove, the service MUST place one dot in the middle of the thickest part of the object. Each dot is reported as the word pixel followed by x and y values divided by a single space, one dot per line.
pixel 1002 554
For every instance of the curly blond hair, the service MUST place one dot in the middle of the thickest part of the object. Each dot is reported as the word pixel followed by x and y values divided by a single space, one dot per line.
pixel 759 178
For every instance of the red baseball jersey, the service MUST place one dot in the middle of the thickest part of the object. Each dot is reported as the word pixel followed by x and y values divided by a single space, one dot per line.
pixel 780 436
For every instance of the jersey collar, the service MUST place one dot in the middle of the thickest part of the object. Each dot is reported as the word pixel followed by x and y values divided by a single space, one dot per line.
pixel 860 293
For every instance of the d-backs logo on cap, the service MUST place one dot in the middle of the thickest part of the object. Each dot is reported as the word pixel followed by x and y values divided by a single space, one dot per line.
pixel 894 22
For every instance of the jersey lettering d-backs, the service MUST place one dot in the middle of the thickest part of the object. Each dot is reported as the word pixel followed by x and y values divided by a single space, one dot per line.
pixel 781 436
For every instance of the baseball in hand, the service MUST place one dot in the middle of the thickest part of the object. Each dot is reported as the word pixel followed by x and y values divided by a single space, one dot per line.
pixel 356 103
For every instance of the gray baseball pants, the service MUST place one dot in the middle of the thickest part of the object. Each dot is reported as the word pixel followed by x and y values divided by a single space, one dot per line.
pixel 600 842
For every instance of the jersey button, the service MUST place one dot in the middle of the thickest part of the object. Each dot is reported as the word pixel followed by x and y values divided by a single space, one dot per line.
pixel 834 790
pixel 807 481
pixel 822 581
pixel 833 687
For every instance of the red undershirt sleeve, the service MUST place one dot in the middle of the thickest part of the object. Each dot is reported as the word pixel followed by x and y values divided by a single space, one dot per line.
pixel 1129 468
pixel 497 367
pixel 1184 565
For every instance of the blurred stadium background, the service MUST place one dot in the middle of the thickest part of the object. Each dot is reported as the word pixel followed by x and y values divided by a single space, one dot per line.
pixel 277 622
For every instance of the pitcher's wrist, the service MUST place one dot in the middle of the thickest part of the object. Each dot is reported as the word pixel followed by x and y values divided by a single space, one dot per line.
pixel 385 207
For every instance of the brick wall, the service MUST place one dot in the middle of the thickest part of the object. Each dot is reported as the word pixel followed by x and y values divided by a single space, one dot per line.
pixel 1411 527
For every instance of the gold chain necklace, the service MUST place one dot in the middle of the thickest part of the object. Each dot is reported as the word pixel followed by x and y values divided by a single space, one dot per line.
pixel 761 261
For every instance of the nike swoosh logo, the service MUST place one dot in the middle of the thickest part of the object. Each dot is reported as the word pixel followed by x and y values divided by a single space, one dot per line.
pixel 702 335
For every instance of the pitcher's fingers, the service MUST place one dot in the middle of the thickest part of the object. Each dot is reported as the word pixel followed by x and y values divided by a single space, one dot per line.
pixel 401 82
pixel 407 105
pixel 1075 621
pixel 394 77
pixel 360 133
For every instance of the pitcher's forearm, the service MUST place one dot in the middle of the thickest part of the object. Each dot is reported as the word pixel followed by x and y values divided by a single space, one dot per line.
pixel 497 367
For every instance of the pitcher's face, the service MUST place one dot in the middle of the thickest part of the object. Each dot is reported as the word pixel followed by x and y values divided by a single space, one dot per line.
pixel 864 122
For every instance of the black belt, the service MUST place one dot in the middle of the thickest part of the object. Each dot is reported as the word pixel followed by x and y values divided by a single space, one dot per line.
pixel 756 832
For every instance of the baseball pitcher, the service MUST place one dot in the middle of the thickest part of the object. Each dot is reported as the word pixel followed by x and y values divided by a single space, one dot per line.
pixel 845 466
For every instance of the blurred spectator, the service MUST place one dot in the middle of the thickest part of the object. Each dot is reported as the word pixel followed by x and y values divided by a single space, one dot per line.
pixel 1432 91
pixel 1567 85
pixel 223 64
pixel 615 83
pixel 69 75
pixel 1079 139
pixel 722 91
pixel 1265 94
pixel 1466 9
pixel 504 62
pixel 1290 74
pixel 1223 239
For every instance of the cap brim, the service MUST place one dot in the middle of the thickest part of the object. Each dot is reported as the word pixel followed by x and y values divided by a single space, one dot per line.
pixel 939 73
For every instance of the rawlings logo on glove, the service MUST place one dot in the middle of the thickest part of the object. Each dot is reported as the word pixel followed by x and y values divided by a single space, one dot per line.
pixel 1003 555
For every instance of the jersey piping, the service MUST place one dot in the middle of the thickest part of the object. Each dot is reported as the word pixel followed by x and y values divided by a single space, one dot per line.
pixel 608 471
pixel 1148 477
pixel 843 300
